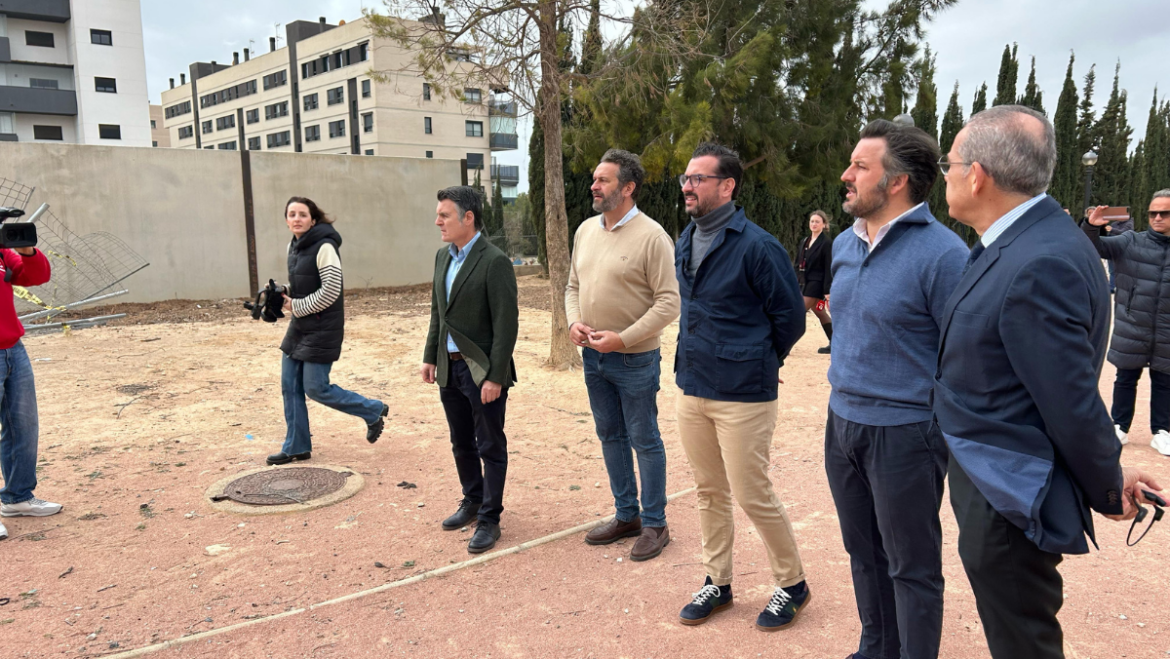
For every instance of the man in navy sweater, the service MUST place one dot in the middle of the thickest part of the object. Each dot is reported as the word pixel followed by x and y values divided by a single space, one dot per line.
pixel 885 457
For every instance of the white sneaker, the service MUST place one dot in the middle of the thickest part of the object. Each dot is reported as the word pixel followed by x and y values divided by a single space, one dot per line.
pixel 1161 442
pixel 1122 436
pixel 34 507
pixel 3 532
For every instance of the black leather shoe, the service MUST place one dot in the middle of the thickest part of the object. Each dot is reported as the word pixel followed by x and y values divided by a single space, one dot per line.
pixel 283 458
pixel 826 350
pixel 462 517
pixel 374 430
pixel 486 534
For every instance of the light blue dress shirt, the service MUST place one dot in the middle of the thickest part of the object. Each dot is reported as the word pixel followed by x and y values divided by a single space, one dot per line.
pixel 625 220
pixel 458 256
pixel 1004 223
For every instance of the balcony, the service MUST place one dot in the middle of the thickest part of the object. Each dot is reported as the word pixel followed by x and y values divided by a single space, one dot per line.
pixel 504 141
pixel 506 174
pixel 5 50
pixel 38 101
pixel 502 108
pixel 55 11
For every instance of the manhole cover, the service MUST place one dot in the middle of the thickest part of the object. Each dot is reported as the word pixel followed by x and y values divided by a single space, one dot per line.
pixel 274 487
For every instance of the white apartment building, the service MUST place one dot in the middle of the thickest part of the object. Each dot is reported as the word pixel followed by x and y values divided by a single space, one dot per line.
pixel 73 71
pixel 315 95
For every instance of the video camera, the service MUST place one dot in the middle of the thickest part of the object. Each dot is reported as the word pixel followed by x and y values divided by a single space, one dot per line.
pixel 20 234
pixel 269 303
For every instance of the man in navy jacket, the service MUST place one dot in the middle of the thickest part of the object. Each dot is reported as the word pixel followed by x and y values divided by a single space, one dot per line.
pixel 1016 389
pixel 741 313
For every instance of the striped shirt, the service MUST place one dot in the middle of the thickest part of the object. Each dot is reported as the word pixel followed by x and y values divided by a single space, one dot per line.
pixel 329 268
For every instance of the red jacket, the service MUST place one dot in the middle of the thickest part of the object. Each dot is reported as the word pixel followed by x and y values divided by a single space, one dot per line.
pixel 26 271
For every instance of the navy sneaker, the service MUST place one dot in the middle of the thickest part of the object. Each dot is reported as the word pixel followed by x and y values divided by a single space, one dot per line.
pixel 783 607
pixel 707 602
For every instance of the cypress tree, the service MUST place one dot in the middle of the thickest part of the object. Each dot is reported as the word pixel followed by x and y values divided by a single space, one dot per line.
pixel 925 112
pixel 1033 97
pixel 1112 133
pixel 536 190
pixel 1009 69
pixel 952 123
pixel 980 103
pixel 1066 179
pixel 1086 137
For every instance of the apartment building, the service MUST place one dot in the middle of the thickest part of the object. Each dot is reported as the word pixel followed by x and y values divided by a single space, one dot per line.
pixel 73 71
pixel 315 95
pixel 159 136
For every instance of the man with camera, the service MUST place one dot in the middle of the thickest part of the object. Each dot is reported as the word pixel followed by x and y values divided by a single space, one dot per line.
pixel 19 266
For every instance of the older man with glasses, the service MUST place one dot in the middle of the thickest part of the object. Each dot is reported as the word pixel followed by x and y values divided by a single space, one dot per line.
pixel 1141 326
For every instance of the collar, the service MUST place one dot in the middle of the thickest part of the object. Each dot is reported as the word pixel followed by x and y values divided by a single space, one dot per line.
pixel 859 226
pixel 460 254
pixel 622 222
pixel 1004 223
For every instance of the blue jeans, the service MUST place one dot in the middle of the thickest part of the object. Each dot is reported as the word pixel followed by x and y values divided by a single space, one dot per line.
pixel 19 426
pixel 623 393
pixel 299 379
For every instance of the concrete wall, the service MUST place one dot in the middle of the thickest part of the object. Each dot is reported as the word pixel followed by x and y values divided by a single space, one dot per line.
pixel 183 211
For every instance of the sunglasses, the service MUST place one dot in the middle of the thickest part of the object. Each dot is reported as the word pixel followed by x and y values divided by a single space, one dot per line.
pixel 1159 214
pixel 1142 514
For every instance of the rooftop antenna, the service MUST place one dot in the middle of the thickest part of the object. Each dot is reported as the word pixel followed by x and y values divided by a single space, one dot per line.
pixel 276 30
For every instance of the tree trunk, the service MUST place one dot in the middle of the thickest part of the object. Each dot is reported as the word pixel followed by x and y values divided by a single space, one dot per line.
pixel 562 353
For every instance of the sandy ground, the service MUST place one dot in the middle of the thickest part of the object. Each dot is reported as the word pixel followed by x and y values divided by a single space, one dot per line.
pixel 137 420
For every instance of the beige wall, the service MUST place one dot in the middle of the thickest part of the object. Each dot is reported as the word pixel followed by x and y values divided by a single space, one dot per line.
pixel 183 211
pixel 158 134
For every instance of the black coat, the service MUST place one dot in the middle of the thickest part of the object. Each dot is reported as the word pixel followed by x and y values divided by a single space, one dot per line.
pixel 1141 327
pixel 315 338
pixel 817 260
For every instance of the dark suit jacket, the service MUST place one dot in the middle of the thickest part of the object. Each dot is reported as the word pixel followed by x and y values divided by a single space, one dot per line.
pixel 482 315
pixel 1015 394
pixel 818 260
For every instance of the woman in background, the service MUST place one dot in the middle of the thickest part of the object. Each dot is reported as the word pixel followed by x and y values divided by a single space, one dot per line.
pixel 814 262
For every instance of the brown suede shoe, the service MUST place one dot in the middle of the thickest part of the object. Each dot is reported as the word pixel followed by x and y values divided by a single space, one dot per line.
pixel 613 531
pixel 650 543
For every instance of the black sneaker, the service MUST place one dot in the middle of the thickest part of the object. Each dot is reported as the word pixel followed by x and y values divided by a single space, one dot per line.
pixel 374 430
pixel 826 350
pixel 707 602
pixel 284 458
pixel 462 517
pixel 783 607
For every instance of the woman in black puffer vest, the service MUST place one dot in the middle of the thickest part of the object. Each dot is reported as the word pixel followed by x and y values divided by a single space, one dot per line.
pixel 315 331
pixel 1141 323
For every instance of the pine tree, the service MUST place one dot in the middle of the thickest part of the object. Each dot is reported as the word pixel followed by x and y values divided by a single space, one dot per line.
pixel 1009 70
pixel 980 103
pixel 1033 97
pixel 1066 180
pixel 925 112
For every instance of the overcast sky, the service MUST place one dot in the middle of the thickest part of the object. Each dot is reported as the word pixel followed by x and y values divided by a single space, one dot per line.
pixel 969 40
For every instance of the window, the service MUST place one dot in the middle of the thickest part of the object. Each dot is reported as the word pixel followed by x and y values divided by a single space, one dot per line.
pixel 368 122
pixel 252 116
pixel 227 146
pixel 108 85
pixel 474 128
pixel 471 95
pixel 283 138
pixel 336 95
pixel 246 88
pixel 312 133
pixel 47 133
pixel 253 143
pixel 109 132
pixel 42 39
pixel 186 132
pixel 426 92
pixel 224 123
pixel 101 37
pixel 430 154
pixel 275 79
pixel 363 51
pixel 42 83
pixel 427 125
pixel 310 102
pixel 154 142
pixel 276 110
pixel 208 147
pixel 475 161
pixel 206 127
pixel 177 109
pixel 153 125
pixel 369 152
pixel 365 89
pixel 337 128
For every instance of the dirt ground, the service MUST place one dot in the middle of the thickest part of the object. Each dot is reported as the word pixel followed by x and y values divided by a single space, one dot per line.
pixel 140 417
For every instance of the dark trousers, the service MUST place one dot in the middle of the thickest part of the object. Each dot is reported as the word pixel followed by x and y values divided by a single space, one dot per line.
pixel 1125 398
pixel 477 441
pixel 1018 590
pixel 887 484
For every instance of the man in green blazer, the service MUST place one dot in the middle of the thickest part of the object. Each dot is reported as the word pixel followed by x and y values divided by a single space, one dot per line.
pixel 474 321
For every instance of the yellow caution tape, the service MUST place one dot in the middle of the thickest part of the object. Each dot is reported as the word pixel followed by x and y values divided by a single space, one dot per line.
pixel 22 293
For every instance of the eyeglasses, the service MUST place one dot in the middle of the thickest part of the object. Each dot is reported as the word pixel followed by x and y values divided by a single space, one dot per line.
pixel 1142 513
pixel 1159 214
pixel 695 179
pixel 945 165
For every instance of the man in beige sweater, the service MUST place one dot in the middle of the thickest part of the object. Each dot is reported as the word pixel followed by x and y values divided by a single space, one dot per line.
pixel 622 293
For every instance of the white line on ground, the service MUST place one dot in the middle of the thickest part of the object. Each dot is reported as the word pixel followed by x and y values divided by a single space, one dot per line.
pixel 479 560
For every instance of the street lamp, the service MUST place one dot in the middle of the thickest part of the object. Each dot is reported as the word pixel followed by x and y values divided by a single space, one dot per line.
pixel 904 120
pixel 1088 160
